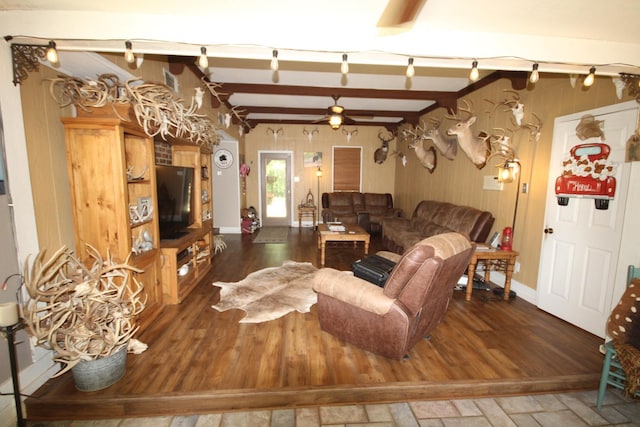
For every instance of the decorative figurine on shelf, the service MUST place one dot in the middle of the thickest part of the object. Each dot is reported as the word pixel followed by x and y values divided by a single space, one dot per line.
pixel 310 201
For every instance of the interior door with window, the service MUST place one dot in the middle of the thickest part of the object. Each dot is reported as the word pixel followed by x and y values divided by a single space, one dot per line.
pixel 581 244
pixel 275 188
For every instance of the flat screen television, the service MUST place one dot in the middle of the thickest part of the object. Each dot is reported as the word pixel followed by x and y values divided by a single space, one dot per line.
pixel 175 200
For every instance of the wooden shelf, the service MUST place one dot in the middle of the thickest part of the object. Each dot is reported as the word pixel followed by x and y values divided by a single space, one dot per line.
pixel 102 153
pixel 200 238
pixel 176 287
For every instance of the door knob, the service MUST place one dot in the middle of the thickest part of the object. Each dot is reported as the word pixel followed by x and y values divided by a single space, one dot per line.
pixel 548 230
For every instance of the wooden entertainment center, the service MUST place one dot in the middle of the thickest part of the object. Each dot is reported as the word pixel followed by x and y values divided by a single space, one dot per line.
pixel 111 167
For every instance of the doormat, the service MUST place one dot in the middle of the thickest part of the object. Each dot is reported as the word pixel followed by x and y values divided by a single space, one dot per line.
pixel 272 235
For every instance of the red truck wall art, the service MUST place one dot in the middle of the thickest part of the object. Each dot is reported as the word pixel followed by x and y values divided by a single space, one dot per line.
pixel 587 173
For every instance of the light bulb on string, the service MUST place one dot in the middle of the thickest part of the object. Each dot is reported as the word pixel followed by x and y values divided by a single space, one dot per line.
pixel 475 74
pixel 588 81
pixel 128 52
pixel 344 67
pixel 411 71
pixel 535 75
pixel 52 53
pixel 203 61
pixel 274 61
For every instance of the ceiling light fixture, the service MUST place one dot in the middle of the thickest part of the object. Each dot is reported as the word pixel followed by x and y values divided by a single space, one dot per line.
pixel 335 121
pixel 475 74
pixel 52 53
pixel 274 61
pixel 411 71
pixel 588 81
pixel 344 67
pixel 535 75
pixel 128 53
pixel 203 61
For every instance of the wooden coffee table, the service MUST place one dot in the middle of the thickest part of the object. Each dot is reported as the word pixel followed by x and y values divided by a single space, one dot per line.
pixel 353 233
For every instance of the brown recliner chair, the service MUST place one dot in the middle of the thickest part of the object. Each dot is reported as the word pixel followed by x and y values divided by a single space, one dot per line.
pixel 389 321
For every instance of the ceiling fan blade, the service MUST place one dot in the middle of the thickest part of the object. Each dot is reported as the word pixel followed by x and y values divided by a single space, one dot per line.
pixel 348 121
pixel 400 14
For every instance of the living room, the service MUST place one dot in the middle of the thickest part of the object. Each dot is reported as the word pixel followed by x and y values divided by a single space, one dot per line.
pixel 36 158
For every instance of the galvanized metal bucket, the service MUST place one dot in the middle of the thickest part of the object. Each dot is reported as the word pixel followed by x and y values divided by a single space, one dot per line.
pixel 92 375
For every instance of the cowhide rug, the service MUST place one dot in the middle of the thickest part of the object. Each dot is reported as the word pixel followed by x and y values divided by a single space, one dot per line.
pixel 270 293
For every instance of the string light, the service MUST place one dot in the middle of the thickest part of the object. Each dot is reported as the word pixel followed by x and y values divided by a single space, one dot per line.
pixel 475 74
pixel 203 61
pixel 128 52
pixel 274 61
pixel 411 71
pixel 535 75
pixel 344 68
pixel 588 81
pixel 52 53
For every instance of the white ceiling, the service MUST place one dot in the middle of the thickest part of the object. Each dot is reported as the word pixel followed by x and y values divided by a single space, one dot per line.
pixel 567 36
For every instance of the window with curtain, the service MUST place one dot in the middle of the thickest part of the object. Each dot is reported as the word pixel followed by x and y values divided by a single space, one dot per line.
pixel 347 165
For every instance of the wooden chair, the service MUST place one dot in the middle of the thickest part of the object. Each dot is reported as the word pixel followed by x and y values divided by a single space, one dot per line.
pixel 612 373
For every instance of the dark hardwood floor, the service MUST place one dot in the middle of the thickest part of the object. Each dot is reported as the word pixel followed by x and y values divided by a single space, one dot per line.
pixel 200 360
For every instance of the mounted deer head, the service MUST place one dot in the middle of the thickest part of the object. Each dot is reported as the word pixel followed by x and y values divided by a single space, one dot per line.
pixel 476 148
pixel 448 147
pixel 380 155
pixel 427 157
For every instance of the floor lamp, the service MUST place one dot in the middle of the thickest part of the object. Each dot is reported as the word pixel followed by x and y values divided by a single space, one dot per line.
pixel 318 176
pixel 507 174
pixel 10 324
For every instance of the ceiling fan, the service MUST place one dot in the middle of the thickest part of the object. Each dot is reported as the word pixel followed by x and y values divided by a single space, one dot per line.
pixel 399 15
pixel 335 115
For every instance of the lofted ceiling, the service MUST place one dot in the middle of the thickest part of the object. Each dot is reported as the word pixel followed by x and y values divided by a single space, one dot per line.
pixel 443 36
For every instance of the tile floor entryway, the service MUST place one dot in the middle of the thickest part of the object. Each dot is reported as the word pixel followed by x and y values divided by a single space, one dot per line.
pixel 552 410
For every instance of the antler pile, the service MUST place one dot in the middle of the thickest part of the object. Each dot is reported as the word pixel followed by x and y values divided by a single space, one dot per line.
pixel 157 109
pixel 81 313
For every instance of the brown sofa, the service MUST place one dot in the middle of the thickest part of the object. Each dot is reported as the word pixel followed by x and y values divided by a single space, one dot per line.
pixel 365 209
pixel 430 218
pixel 389 321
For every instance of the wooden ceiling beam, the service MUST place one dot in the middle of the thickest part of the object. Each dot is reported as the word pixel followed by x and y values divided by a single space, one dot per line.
pixel 274 89
pixel 321 111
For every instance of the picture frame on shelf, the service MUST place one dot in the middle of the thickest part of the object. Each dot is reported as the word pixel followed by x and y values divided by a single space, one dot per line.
pixel 145 208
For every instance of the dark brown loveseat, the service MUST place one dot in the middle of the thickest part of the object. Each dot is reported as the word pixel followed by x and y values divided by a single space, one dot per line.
pixel 430 218
pixel 365 209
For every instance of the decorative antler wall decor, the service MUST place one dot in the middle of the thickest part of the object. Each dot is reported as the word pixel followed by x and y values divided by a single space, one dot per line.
pixel 514 105
pixel 349 133
pixel 310 133
pixel 275 133
pixel 155 106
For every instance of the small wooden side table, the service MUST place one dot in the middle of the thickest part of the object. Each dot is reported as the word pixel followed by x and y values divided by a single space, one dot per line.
pixel 306 211
pixel 493 259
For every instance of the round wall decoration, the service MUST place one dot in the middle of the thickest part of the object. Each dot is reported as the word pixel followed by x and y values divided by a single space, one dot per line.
pixel 223 158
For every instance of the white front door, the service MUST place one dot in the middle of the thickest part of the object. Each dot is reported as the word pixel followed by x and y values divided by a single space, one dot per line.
pixel 581 243
pixel 275 188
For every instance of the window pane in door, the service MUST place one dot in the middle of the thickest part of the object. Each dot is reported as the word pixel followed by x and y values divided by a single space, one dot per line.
pixel 276 184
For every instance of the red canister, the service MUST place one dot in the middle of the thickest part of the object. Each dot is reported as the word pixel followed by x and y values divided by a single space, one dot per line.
pixel 507 239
